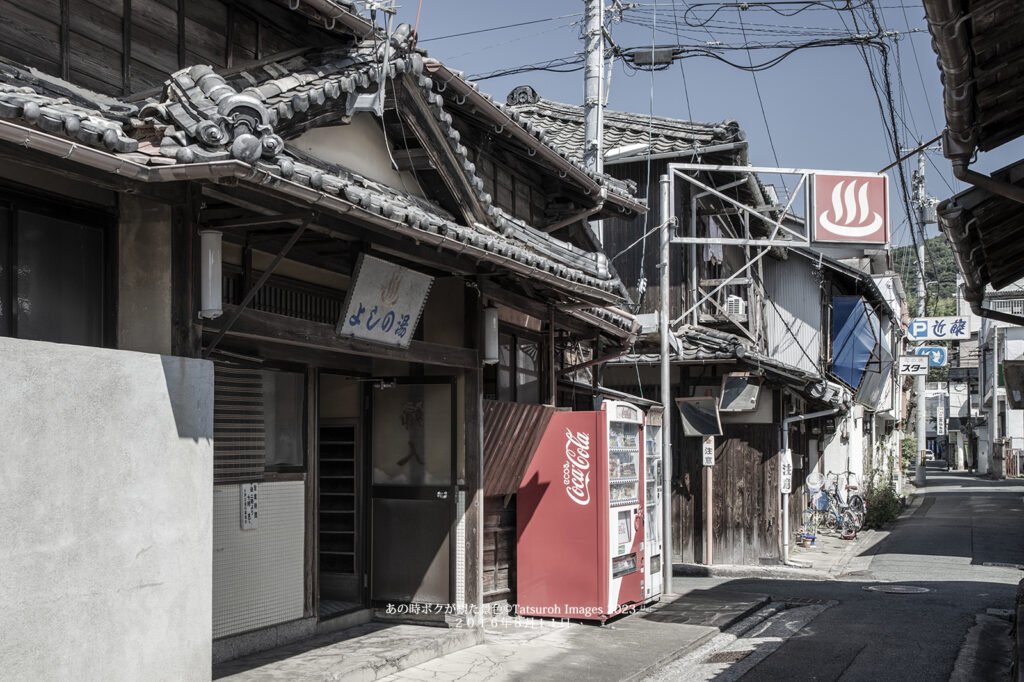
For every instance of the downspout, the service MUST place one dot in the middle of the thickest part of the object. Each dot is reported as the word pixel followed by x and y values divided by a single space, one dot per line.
pixel 785 496
pixel 1005 189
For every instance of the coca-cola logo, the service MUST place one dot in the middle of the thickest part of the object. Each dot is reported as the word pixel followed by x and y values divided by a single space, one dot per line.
pixel 576 470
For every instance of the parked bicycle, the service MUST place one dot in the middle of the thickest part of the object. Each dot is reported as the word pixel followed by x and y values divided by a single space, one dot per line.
pixel 826 510
pixel 851 485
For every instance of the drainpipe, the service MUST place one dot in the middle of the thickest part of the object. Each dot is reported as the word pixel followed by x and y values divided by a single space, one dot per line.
pixel 785 496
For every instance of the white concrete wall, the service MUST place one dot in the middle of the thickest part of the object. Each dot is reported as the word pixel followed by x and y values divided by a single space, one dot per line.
pixel 106 464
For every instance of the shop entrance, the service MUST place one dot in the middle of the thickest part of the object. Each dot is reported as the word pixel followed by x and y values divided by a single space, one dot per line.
pixel 413 489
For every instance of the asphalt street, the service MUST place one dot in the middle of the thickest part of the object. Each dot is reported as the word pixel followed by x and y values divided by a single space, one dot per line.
pixel 963 545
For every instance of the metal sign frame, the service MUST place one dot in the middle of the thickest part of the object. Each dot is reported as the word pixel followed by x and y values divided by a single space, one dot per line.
pixel 780 236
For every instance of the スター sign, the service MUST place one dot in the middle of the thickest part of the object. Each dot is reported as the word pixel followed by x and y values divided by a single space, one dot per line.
pixel 914 365
pixel 851 207
pixel 939 328
pixel 384 303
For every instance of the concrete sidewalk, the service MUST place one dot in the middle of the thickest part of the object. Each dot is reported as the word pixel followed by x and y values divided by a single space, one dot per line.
pixel 511 648
pixel 507 648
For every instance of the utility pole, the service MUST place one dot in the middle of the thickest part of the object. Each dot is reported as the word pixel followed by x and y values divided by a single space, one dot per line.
pixel 923 203
pixel 593 94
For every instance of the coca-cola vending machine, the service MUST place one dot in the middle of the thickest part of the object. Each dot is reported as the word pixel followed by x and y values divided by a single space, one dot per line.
pixel 580 517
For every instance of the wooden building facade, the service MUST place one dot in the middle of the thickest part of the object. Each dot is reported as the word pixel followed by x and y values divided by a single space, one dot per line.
pixel 310 168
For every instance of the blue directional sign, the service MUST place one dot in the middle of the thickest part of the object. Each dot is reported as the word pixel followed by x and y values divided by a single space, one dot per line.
pixel 937 356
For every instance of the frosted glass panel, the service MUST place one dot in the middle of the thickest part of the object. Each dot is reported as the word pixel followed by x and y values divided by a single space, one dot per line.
pixel 412 435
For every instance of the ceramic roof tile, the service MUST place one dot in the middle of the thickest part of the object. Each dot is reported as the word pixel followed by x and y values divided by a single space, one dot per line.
pixel 564 126
pixel 237 125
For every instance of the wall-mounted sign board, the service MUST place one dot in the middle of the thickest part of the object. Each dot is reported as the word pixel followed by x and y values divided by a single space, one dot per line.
pixel 913 365
pixel 384 303
pixel 939 328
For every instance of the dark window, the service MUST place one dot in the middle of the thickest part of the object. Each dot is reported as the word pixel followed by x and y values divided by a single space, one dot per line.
pixel 516 377
pixel 53 274
pixel 284 399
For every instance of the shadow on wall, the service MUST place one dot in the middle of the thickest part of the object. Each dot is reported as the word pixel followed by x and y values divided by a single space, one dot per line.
pixel 192 409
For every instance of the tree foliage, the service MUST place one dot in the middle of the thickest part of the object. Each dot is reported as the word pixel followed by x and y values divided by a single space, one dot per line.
pixel 940 271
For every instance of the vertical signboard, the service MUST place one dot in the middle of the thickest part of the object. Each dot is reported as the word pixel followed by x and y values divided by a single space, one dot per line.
pixel 708 451
pixel 851 208
pixel 786 471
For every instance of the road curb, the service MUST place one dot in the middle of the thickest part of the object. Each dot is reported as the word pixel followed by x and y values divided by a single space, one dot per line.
pixel 694 644
pixel 740 571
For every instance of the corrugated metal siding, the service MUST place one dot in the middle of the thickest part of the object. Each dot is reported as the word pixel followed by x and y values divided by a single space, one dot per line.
pixel 511 434
pixel 794 322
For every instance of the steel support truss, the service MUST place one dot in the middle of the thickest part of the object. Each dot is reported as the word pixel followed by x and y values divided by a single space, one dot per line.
pixel 780 235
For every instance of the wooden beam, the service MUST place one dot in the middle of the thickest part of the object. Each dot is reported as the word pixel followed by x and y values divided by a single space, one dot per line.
pixel 126 47
pixel 256 325
pixel 420 119
pixel 65 39
pixel 257 221
pixel 531 307
pixel 182 55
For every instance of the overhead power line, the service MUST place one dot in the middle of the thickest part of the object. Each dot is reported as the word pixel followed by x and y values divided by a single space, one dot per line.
pixel 477 31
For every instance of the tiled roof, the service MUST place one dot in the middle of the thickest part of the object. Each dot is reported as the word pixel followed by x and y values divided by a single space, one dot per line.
pixel 563 126
pixel 205 118
pixel 695 343
pixel 619 188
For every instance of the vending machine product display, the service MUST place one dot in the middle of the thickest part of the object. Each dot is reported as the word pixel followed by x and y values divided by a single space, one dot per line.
pixel 653 510
pixel 580 517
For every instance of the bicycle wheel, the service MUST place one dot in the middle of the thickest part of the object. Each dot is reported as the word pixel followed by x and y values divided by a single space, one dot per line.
pixel 858 519
pixel 857 505
pixel 849 525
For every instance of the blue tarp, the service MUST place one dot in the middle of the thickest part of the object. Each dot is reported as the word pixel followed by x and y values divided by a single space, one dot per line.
pixel 858 356
pixel 855 339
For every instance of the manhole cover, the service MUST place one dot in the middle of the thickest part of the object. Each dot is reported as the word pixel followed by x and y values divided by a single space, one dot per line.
pixel 897 589
pixel 727 656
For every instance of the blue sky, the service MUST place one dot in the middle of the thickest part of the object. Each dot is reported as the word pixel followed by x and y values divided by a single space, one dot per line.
pixel 820 107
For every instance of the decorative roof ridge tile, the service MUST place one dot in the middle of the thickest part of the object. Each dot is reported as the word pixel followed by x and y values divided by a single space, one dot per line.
pixel 574 112
pixel 236 128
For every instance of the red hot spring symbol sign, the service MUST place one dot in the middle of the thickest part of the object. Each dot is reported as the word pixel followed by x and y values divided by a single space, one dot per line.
pixel 851 208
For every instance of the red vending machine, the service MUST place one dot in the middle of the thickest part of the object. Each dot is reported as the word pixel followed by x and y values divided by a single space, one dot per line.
pixel 580 517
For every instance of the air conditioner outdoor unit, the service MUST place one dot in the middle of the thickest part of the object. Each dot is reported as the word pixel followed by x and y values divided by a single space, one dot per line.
pixel 735 306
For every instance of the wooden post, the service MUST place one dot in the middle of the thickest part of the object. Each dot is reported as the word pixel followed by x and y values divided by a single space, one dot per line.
pixel 312 575
pixel 473 386
pixel 709 491
pixel 552 371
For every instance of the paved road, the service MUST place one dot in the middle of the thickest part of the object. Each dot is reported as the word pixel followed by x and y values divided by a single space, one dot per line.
pixel 962 524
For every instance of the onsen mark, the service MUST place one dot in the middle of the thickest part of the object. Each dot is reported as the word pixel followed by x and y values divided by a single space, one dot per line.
pixel 576 470
pixel 852 216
